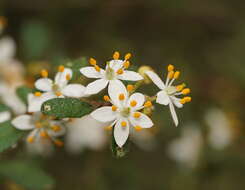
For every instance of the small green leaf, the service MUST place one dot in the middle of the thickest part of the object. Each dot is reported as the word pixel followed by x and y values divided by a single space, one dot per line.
pixel 66 108
pixel 3 108
pixel 8 135
pixel 26 174
pixel 23 92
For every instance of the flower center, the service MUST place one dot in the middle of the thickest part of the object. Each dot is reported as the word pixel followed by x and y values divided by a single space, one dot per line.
pixel 170 90
pixel 125 112
pixel 110 73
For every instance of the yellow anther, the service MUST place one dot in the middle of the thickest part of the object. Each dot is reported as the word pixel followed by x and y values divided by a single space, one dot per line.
pixel 142 71
pixel 108 128
pixel 3 21
pixel 116 55
pixel 44 73
pixel 187 99
pixel 130 88
pixel 127 56
pixel 186 91
pixel 37 94
pixel 138 128
pixel 56 128
pixel 137 114
pixel 170 68
pixel 68 77
pixel 133 103
pixel 123 123
pixel 106 98
pixel 176 74
pixel 182 101
pixel 58 93
pixel 30 139
pixel 92 61
pixel 61 68
pixel 121 97
pixel 147 104
pixel 180 87
pixel 38 125
pixel 97 68
pixel 114 108
pixel 170 74
pixel 44 134
pixel 126 64
pixel 120 71
pixel 58 143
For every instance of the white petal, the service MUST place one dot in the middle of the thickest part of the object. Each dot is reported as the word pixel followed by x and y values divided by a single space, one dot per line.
pixel 73 90
pixel 176 102
pixel 143 121
pixel 23 122
pixel 130 75
pixel 162 98
pixel 104 114
pixel 44 84
pixel 173 113
pixel 61 132
pixel 115 88
pixel 35 103
pixel 7 48
pixel 60 77
pixel 156 79
pixel 5 116
pixel 96 86
pixel 121 133
pixel 90 72
pixel 115 64
pixel 139 98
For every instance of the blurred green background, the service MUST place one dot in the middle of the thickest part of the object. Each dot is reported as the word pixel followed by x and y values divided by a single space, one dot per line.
pixel 205 40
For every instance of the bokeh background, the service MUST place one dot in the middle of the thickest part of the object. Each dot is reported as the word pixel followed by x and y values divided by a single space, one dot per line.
pixel 205 40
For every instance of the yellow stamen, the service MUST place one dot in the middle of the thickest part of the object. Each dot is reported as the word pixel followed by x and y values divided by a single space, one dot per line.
pixel 37 94
pixel 61 68
pixel 186 91
pixel 92 61
pixel 56 128
pixel 97 68
pixel 130 88
pixel 121 97
pixel 58 93
pixel 133 103
pixel 187 99
pixel 170 68
pixel 147 104
pixel 127 56
pixel 68 77
pixel 126 64
pixel 120 71
pixel 116 55
pixel 123 123
pixel 138 128
pixel 176 74
pixel 182 101
pixel 38 125
pixel 137 114
pixel 180 87
pixel 44 73
pixel 30 139
pixel 44 134
pixel 170 74
pixel 106 98
pixel 58 143
pixel 108 128
pixel 114 108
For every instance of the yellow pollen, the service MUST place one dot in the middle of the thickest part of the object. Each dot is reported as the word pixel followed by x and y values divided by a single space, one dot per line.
pixel 30 139
pixel 92 61
pixel 119 71
pixel 137 115
pixel 176 74
pixel 44 73
pixel 182 101
pixel 68 77
pixel 116 55
pixel 108 128
pixel 61 68
pixel 114 108
pixel 106 98
pixel 187 99
pixel 130 87
pixel 58 93
pixel 58 143
pixel 121 97
pixel 133 103
pixel 126 64
pixel 170 68
pixel 123 123
pixel 44 134
pixel 180 87
pixel 186 91
pixel 97 68
pixel 147 104
pixel 37 94
pixel 56 128
pixel 127 56
pixel 38 125
pixel 138 128
pixel 170 74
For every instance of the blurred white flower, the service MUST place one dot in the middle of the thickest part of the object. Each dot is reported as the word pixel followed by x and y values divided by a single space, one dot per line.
pixel 5 116
pixel 7 50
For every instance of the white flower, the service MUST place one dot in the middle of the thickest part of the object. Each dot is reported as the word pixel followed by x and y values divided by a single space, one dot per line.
pixel 4 116
pixel 53 89
pixel 40 126
pixel 7 49
pixel 115 71
pixel 123 113
pixel 168 93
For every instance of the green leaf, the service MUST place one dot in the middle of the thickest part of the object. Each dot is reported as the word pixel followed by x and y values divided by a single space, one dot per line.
pixel 22 93
pixel 26 174
pixel 9 135
pixel 66 108
pixel 3 108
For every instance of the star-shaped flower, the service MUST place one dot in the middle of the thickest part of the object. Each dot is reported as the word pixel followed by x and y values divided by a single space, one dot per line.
pixel 115 71
pixel 53 89
pixel 168 93
pixel 124 112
